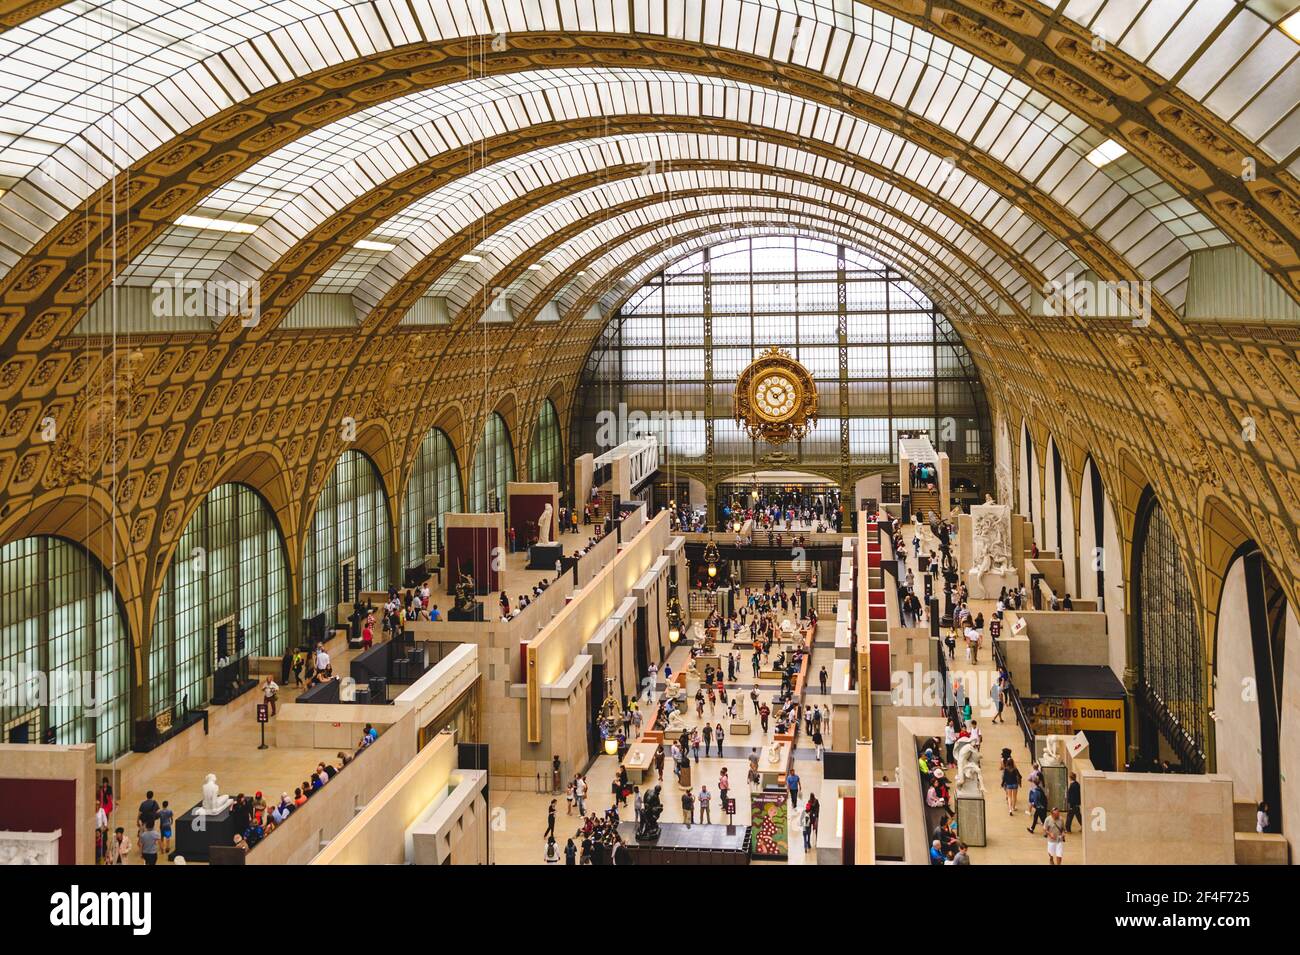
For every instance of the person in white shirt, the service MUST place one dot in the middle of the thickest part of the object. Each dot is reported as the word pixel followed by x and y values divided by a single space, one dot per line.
pixel 270 690
pixel 323 661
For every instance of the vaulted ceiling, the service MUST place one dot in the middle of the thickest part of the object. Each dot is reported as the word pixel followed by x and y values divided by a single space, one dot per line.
pixel 553 153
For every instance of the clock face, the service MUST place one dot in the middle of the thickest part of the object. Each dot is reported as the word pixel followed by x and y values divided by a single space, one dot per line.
pixel 775 396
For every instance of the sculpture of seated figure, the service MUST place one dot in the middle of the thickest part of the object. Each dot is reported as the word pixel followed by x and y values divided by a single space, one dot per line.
pixel 675 722
pixel 774 752
pixel 214 803
pixel 1051 753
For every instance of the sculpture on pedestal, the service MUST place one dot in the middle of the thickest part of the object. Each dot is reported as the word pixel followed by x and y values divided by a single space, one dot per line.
pixel 465 593
pixel 774 753
pixel 970 777
pixel 214 802
pixel 652 808
pixel 544 525
pixel 1051 753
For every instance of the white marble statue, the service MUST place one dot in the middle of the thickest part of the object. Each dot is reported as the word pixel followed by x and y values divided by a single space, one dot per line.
pixel 1051 753
pixel 774 753
pixel 992 566
pixel 675 723
pixel 544 525
pixel 30 848
pixel 970 777
pixel 214 803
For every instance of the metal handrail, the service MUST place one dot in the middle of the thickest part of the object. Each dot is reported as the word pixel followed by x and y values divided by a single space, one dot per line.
pixel 1013 695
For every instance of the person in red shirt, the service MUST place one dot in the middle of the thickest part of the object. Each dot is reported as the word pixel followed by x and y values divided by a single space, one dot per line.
pixel 367 635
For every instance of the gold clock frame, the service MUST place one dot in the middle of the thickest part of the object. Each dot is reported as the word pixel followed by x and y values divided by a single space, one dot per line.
pixel 757 421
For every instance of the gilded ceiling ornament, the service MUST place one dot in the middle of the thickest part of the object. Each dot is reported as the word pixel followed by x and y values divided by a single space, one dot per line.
pixel 1168 409
pixel 79 447
pixel 776 398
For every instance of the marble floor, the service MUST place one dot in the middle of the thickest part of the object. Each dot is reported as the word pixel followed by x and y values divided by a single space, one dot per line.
pixel 1007 841
pixel 519 818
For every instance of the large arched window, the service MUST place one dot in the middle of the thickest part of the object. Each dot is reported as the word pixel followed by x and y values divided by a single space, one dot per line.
pixel 1171 654
pixel 228 570
pixel 883 356
pixel 494 467
pixel 545 453
pixel 434 490
pixel 349 543
pixel 59 618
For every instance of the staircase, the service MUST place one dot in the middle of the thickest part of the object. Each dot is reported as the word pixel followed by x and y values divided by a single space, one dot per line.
pixel 755 573
pixel 925 500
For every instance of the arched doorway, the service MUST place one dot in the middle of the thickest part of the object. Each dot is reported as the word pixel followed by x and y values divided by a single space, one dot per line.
pixel 1255 641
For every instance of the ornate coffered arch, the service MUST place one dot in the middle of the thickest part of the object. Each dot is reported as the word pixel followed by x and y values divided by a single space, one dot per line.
pixel 53 289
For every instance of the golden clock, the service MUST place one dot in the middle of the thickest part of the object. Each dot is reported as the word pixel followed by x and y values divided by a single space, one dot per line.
pixel 776 398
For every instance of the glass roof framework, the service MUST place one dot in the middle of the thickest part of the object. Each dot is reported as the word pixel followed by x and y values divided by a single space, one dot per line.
pixel 461 206
pixel 622 260
pixel 75 63
pixel 607 239
pixel 722 191
pixel 1044 153
pixel 69 67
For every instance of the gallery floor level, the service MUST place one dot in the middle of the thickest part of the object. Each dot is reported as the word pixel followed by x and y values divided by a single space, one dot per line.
pixel 795 432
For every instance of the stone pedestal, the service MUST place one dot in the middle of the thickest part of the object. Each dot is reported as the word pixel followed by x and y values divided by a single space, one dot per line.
pixel 988 586
pixel 1056 781
pixel 197 831
pixel 544 556
pixel 971 819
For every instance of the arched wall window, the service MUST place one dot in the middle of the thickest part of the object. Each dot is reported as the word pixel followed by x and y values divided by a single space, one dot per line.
pixel 349 527
pixel 1171 655
pixel 434 490
pixel 229 566
pixel 545 455
pixel 59 617
pixel 494 467
pixel 881 352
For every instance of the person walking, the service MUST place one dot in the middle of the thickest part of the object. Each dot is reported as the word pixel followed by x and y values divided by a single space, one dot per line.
pixel 1054 833
pixel 119 847
pixel 1038 804
pixel 824 679
pixel 806 824
pixel 719 735
pixel 792 783
pixel 580 794
pixel 1074 803
pixel 550 822
pixel 1010 781
pixel 707 734
pixel 818 748
pixel 149 839
pixel 552 853
pixel 570 853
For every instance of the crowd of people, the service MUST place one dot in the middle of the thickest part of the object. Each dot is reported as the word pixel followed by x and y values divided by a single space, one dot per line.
pixel 254 817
